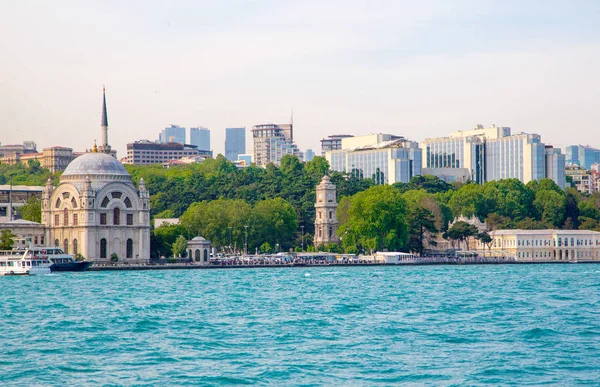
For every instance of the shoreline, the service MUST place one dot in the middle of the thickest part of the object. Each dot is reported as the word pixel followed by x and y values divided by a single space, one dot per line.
pixel 175 266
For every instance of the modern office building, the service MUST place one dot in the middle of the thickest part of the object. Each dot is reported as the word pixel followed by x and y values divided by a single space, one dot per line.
pixel 272 142
pixel 385 158
pixel 493 154
pixel 582 155
pixel 173 133
pixel 200 137
pixel 146 152
pixel 235 143
pixel 309 155
pixel 332 142
pixel 555 166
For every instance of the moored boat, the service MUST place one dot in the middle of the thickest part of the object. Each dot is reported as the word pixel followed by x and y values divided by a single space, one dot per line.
pixel 61 261
pixel 19 262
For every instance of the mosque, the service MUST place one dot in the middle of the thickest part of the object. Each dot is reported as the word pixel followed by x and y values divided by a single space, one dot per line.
pixel 96 209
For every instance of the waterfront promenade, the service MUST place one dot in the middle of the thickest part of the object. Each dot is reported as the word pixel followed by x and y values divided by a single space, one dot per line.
pixel 247 265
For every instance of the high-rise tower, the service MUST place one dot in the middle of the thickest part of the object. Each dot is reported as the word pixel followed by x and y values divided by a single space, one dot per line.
pixel 326 223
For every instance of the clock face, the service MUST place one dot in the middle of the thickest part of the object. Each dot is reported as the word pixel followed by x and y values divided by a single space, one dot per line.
pixel 320 196
pixel 330 196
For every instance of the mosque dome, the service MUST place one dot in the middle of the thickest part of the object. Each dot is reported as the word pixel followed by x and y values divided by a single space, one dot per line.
pixel 95 165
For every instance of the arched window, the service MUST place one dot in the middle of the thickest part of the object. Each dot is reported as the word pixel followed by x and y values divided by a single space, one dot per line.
pixel 197 255
pixel 56 243
pixel 57 205
pixel 102 248
pixel 330 232
pixel 127 202
pixel 66 216
pixel 105 202
pixel 205 255
pixel 116 216
pixel 572 241
pixel 560 241
pixel 75 246
pixel 73 202
pixel 66 246
pixel 129 248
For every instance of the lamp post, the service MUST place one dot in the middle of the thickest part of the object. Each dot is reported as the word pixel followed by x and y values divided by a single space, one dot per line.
pixel 302 227
pixel 246 240
pixel 230 239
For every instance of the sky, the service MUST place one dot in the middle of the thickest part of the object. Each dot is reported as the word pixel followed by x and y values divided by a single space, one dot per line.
pixel 414 68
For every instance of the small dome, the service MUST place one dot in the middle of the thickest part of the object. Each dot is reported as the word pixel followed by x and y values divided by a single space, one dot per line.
pixel 199 239
pixel 90 164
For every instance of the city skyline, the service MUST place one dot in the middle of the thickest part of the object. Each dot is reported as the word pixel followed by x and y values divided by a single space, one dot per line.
pixel 416 70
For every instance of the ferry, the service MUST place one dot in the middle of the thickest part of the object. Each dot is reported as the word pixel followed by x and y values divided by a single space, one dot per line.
pixel 19 262
pixel 61 261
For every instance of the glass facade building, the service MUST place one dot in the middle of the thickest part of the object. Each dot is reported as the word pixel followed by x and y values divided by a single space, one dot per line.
pixel 235 143
pixel 174 133
pixel 582 155
pixel 386 162
pixel 200 137
pixel 494 154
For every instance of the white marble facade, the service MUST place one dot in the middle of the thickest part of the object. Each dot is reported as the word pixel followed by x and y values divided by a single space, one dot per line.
pixel 96 211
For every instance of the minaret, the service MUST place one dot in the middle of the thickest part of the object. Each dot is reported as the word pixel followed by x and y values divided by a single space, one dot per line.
pixel 104 147
pixel 326 223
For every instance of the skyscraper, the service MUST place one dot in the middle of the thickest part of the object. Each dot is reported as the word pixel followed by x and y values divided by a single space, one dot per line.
pixel 582 155
pixel 309 155
pixel 272 142
pixel 174 133
pixel 235 143
pixel 200 137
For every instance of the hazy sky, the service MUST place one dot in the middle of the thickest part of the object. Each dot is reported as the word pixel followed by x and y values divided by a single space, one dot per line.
pixel 414 68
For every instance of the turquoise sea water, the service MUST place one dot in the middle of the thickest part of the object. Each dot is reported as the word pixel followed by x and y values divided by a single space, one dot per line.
pixel 440 325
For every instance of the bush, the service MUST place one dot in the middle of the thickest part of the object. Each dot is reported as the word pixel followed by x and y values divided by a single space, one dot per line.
pixel 114 257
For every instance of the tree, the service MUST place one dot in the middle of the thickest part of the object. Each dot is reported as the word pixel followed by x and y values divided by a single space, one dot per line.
pixel 6 240
pixel 551 206
pixel 469 200
pixel 376 220
pixel 461 232
pixel 486 239
pixel 114 258
pixel 163 238
pixel 265 248
pixel 179 246
pixel 32 210
pixel 273 221
pixel 421 227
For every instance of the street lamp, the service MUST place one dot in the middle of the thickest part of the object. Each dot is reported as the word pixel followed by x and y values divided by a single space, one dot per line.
pixel 302 227
pixel 230 239
pixel 246 240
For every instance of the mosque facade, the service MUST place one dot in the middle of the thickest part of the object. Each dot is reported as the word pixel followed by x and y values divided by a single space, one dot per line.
pixel 96 210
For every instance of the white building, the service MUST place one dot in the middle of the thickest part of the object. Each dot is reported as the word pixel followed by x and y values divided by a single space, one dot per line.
pixel 494 154
pixel 385 158
pixel 326 223
pixel 544 245
pixel 96 210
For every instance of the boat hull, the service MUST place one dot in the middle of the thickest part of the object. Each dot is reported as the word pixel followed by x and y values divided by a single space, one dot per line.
pixel 71 266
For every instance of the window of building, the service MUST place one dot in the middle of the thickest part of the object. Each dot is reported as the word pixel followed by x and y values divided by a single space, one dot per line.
pixel 127 202
pixel 130 219
pixel 102 218
pixel 56 243
pixel 66 246
pixel 75 246
pixel 42 240
pixel 116 195
pixel 105 202
pixel 102 248
pixel 35 240
pixel 116 216
pixel 330 214
pixel 56 219
pixel 75 220
pixel 129 253
pixel 66 216
pixel 73 202
pixel 57 205
pixel 205 255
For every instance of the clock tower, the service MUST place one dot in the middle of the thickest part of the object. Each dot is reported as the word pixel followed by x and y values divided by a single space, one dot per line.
pixel 326 223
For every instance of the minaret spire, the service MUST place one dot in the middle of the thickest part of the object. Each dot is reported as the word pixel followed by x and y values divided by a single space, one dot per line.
pixel 104 147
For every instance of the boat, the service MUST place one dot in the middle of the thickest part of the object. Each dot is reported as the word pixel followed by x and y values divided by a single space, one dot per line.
pixel 21 262
pixel 60 260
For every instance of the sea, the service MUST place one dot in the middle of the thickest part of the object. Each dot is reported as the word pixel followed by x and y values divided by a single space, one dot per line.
pixel 461 325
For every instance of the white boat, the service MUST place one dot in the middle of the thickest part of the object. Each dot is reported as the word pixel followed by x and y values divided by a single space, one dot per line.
pixel 23 262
